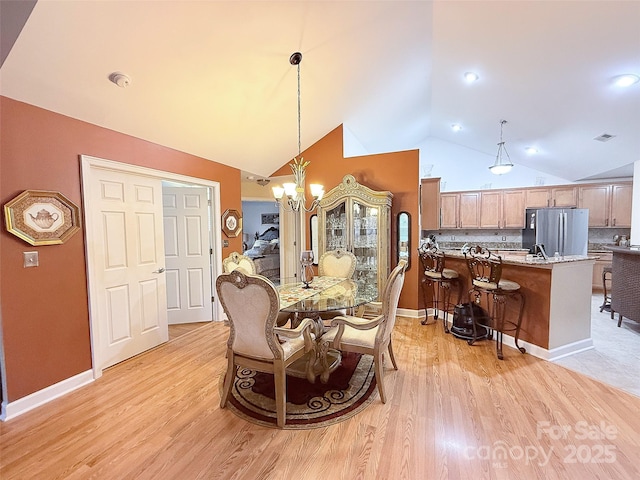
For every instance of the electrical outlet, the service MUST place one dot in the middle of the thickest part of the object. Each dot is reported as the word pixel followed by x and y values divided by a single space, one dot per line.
pixel 504 239
pixel 30 259
pixel 225 243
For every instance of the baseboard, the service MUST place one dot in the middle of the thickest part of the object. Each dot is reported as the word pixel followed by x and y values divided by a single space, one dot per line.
pixel 34 400
pixel 553 354
pixel 410 313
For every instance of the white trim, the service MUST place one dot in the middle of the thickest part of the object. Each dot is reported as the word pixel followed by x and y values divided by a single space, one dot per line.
pixel 36 399
pixel 553 354
pixel 89 163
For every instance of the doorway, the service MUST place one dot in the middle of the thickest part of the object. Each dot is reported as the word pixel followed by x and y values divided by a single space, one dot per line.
pixel 127 310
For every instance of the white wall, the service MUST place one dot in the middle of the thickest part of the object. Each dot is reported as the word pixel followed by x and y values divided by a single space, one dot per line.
pixel 461 168
pixel 635 205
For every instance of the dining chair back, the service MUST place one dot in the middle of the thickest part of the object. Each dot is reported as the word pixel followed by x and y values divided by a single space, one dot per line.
pixel 371 336
pixel 236 260
pixel 337 263
pixel 251 303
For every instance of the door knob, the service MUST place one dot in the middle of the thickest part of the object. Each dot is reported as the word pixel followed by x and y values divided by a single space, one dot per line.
pixel 160 270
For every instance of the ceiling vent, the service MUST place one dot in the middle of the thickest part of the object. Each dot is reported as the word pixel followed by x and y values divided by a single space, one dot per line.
pixel 605 137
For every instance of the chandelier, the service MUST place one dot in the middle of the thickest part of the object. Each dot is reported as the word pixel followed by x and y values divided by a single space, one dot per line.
pixel 291 195
pixel 501 166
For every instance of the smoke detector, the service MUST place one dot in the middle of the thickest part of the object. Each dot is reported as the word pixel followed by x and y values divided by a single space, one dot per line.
pixel 120 79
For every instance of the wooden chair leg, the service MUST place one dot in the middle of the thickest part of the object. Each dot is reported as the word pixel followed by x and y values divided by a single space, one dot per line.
pixel 392 357
pixel 280 379
pixel 378 367
pixel 228 381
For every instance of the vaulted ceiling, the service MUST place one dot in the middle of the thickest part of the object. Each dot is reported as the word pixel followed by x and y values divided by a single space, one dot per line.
pixel 213 78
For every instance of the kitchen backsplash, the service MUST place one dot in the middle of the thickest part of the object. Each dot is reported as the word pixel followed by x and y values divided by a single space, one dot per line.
pixel 599 238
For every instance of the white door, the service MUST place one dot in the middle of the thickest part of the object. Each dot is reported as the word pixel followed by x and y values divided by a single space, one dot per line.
pixel 187 254
pixel 126 222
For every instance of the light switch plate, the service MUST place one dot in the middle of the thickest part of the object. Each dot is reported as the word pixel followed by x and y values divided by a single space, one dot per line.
pixel 30 259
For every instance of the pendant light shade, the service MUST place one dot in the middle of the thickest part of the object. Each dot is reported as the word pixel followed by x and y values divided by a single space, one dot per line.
pixel 501 165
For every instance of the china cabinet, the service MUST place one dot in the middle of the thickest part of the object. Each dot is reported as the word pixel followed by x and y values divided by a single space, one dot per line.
pixel 356 218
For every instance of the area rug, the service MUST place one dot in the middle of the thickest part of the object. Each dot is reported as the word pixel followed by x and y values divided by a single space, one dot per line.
pixel 350 389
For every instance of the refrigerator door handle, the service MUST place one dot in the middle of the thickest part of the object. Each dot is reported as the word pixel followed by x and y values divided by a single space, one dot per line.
pixel 565 231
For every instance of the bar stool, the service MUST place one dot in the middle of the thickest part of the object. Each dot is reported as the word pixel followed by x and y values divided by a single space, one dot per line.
pixel 485 269
pixel 606 277
pixel 440 279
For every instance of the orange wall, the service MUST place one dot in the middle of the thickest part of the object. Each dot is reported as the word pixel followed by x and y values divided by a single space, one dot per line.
pixel 45 320
pixel 397 172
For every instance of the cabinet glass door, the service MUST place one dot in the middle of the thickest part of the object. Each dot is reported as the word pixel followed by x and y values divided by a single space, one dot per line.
pixel 365 246
pixel 336 228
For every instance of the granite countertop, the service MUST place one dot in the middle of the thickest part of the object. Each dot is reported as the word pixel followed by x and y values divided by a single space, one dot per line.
pixel 538 262
pixel 635 250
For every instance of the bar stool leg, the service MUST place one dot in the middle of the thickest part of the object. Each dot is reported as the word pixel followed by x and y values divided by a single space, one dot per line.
pixel 426 283
pixel 519 324
pixel 447 294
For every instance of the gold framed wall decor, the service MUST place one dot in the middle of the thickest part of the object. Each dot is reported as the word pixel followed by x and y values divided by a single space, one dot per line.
pixel 41 217
pixel 231 223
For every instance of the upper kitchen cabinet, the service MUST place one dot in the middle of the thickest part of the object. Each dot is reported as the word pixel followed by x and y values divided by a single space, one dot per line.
pixel 356 218
pixel 430 203
pixel 460 210
pixel 561 196
pixel 513 209
pixel 537 197
pixel 469 210
pixel 449 207
pixel 564 196
pixel 621 199
pixel 502 209
pixel 609 204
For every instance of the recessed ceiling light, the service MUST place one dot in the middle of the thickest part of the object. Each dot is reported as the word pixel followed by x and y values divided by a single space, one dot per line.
pixel 471 77
pixel 456 127
pixel 626 80
pixel 531 150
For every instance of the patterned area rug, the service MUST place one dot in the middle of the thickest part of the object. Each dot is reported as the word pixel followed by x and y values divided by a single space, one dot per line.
pixel 350 389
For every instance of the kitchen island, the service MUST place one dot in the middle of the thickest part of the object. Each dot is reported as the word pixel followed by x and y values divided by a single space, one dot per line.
pixel 557 314
pixel 625 275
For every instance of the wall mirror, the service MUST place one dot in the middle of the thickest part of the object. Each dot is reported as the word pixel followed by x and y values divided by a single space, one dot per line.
pixel 313 229
pixel 403 230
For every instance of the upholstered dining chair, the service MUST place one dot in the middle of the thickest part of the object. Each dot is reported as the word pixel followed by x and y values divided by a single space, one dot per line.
pixel 251 303
pixel 337 263
pixel 371 336
pixel 236 260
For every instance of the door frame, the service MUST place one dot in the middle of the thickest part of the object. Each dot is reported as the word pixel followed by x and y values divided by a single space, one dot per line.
pixel 88 165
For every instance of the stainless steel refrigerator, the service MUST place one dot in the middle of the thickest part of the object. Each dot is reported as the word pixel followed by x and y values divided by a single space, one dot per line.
pixel 561 230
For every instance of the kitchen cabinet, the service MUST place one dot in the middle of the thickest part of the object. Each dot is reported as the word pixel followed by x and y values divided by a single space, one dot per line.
pixel 490 209
pixel 609 204
pixel 469 210
pixel 356 218
pixel 449 207
pixel 430 203
pixel 502 209
pixel 564 196
pixel 513 209
pixel 537 197
pixel 621 196
pixel 561 196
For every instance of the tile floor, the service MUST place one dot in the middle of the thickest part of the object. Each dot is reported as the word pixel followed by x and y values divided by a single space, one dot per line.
pixel 615 360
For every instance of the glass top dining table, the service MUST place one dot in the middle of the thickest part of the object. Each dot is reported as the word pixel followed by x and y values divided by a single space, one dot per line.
pixel 325 294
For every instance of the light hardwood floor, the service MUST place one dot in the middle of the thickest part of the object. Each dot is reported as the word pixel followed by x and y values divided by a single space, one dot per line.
pixel 454 412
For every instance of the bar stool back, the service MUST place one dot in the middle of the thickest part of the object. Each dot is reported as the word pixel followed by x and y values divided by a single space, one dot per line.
pixel 606 282
pixel 485 269
pixel 440 280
